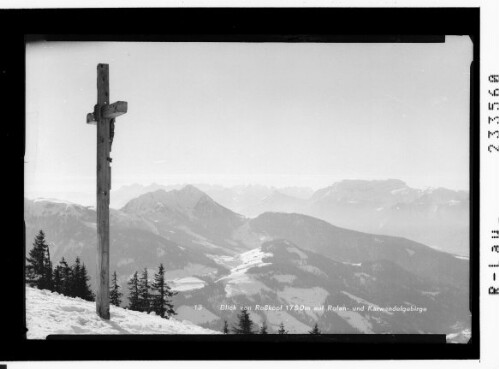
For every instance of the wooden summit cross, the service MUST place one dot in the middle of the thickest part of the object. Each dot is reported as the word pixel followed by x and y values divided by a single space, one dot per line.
pixel 104 115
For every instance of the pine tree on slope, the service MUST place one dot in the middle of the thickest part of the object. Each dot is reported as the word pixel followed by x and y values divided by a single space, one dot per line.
pixel 315 330
pixel 57 279
pixel 144 293
pixel 225 329
pixel 161 299
pixel 74 282
pixel 115 294
pixel 79 281
pixel 245 323
pixel 37 273
pixel 65 275
pixel 281 329
pixel 263 328
pixel 84 287
pixel 133 296
pixel 36 261
pixel 49 272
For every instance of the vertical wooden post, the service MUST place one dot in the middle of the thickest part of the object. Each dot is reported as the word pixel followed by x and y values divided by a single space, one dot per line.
pixel 104 115
pixel 103 187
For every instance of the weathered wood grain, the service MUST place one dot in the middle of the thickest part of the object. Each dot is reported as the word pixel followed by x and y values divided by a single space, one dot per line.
pixel 103 116
pixel 115 109
pixel 103 177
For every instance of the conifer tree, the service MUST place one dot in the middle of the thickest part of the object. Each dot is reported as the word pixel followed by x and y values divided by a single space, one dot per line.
pixel 226 327
pixel 49 272
pixel 36 260
pixel 161 299
pixel 144 293
pixel 245 323
pixel 263 328
pixel 65 275
pixel 281 329
pixel 115 294
pixel 133 295
pixel 37 270
pixel 75 279
pixel 57 280
pixel 315 330
pixel 85 292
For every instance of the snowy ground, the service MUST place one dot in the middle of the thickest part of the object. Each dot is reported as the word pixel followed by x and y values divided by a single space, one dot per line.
pixel 461 337
pixel 240 264
pixel 51 313
pixel 238 282
pixel 187 284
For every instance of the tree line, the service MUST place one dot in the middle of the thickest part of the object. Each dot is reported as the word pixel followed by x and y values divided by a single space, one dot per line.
pixel 147 297
pixel 73 281
pixel 70 280
pixel 246 326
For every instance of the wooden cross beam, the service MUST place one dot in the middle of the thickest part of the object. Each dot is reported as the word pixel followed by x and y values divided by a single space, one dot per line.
pixel 110 111
pixel 103 116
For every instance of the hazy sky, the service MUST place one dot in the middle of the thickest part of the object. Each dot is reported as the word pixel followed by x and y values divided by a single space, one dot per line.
pixel 235 113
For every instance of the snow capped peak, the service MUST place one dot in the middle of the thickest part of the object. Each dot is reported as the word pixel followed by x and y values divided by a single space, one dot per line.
pixel 187 204
pixel 49 206
pixel 181 200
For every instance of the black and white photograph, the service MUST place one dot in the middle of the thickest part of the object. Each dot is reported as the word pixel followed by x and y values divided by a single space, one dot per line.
pixel 225 188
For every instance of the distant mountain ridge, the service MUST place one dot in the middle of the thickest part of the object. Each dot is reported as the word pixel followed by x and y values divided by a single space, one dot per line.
pixel 188 210
pixel 437 217
pixel 236 198
pixel 275 202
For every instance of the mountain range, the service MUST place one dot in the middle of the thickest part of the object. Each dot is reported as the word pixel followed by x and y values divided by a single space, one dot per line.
pixel 292 263
pixel 436 217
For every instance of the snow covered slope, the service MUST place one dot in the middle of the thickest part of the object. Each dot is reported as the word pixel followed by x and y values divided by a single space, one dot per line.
pixel 51 313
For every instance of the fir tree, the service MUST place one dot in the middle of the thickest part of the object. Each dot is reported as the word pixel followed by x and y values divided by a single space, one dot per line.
pixel 57 279
pixel 85 292
pixel 49 272
pixel 39 268
pixel 315 330
pixel 115 294
pixel 281 329
pixel 263 328
pixel 65 276
pixel 77 282
pixel 133 295
pixel 144 293
pixel 75 279
pixel 226 327
pixel 245 323
pixel 36 261
pixel 161 299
